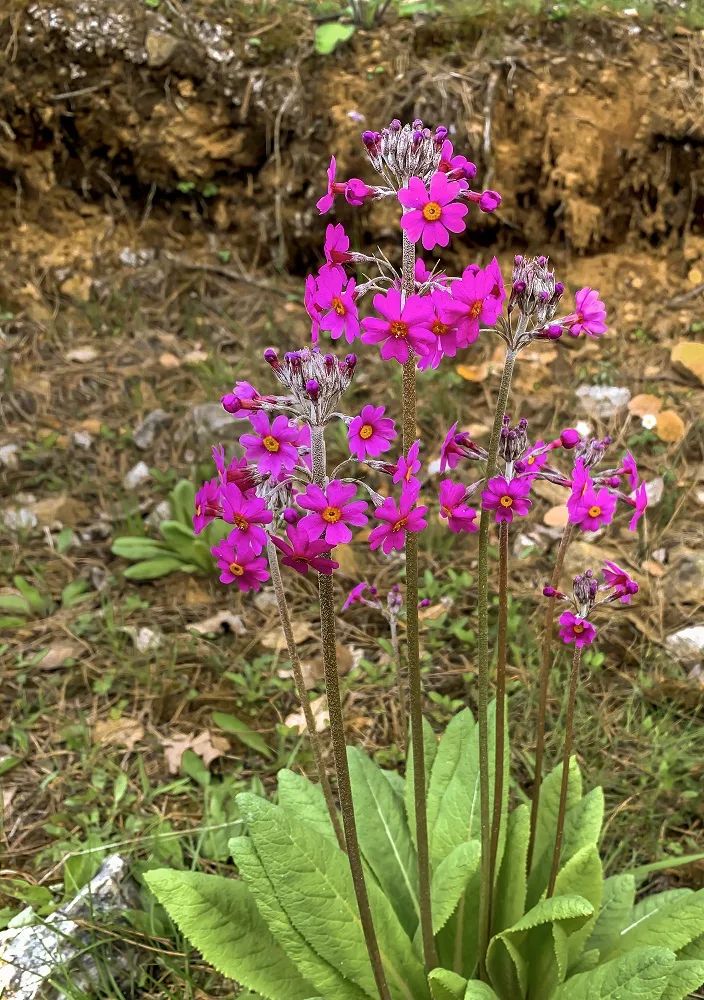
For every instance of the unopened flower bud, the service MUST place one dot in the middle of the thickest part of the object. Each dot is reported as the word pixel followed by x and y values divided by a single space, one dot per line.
pixel 271 357
pixel 549 592
pixel 230 403
pixel 570 438
pixel 489 201
pixel 313 388
pixel 291 515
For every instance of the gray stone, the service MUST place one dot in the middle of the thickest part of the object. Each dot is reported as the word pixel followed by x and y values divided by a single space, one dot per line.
pixel 603 401
pixel 82 439
pixel 208 422
pixel 160 47
pixel 8 456
pixel 687 645
pixel 144 435
pixel 137 475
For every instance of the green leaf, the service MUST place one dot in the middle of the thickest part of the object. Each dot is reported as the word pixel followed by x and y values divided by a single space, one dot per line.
pixel 583 824
pixel 430 749
pixel 618 894
pixel 479 991
pixel 312 966
pixel 182 499
pixel 510 899
pixel 219 917
pixel 451 879
pixel 136 548
pixel 446 985
pixel 685 978
pixel 193 766
pixel 37 602
pixel 179 538
pixel 643 975
pixel 547 824
pixel 11 621
pixel 663 865
pixel 673 925
pixel 300 798
pixel 650 904
pixel 73 592
pixel 453 793
pixel 231 724
pixel 320 902
pixel 329 36
pixel 152 569
pixel 15 603
pixel 694 950
pixel 384 837
pixel 531 956
pixel 581 876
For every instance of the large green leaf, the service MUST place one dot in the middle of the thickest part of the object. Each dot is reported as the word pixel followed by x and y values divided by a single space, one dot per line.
pixel 531 957
pixel 451 879
pixel 617 902
pixel 446 985
pixel 219 917
pixel 581 876
pixel 685 978
pixel 673 925
pixel 384 837
pixel 314 886
pixel 316 970
pixel 642 975
pixel 510 899
pixel 328 36
pixel 430 749
pixel 300 797
pixel 651 904
pixel 152 569
pixel 183 499
pixel 583 824
pixel 479 991
pixel 136 547
pixel 694 951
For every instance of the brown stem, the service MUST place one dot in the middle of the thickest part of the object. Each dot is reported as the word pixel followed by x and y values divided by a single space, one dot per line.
pixel 415 692
pixel 569 732
pixel 337 733
pixel 499 739
pixel 398 660
pixel 485 886
pixel 301 691
pixel 544 681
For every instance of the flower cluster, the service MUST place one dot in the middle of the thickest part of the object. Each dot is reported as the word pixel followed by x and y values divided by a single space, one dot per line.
pixel 575 626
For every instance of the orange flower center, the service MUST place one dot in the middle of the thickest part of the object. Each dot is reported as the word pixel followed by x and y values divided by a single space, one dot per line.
pixel 439 328
pixel 332 515
pixel 506 501
pixel 398 329
pixel 271 444
pixel 237 569
pixel 366 432
pixel 530 460
pixel 199 510
pixel 240 522
pixel 594 511
pixel 432 211
pixel 445 511
pixel 475 309
pixel 399 524
pixel 578 629
pixel 338 306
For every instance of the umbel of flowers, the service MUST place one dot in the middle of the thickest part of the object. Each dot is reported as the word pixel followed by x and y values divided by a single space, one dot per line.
pixel 368 885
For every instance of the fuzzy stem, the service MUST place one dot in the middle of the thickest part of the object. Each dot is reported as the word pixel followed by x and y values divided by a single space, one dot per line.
pixel 398 660
pixel 301 691
pixel 337 732
pixel 415 694
pixel 544 681
pixel 499 736
pixel 569 731
pixel 485 887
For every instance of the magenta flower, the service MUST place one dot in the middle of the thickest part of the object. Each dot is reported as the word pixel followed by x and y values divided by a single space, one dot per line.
pixel 589 316
pixel 534 459
pixel 357 192
pixel 302 553
pixel 430 216
pixel 456 166
pixel 594 510
pixel 620 582
pixel 630 469
pixel 640 503
pixel 337 245
pixel 475 299
pixel 356 595
pixel 580 483
pixel 333 511
pixel 459 516
pixel 508 498
pixel 239 563
pixel 397 519
pixel 408 465
pixel 274 446
pixel 237 471
pixel 401 330
pixel 325 203
pixel 312 308
pixel 577 630
pixel 334 297
pixel 444 329
pixel 370 433
pixel 207 505
pixel 248 514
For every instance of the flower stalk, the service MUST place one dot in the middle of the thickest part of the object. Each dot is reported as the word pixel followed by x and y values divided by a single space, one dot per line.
pixel 567 752
pixel 544 680
pixel 485 890
pixel 337 732
pixel 499 736
pixel 412 642
pixel 286 628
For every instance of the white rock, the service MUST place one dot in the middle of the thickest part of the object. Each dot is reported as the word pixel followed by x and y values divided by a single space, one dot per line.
pixel 137 475
pixel 655 489
pixel 144 435
pixel 687 645
pixel 18 518
pixel 162 512
pixel 603 400
pixel 82 439
pixel 8 455
pixel 143 638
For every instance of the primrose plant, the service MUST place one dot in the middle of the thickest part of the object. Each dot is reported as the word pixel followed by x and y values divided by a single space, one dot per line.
pixel 364 884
